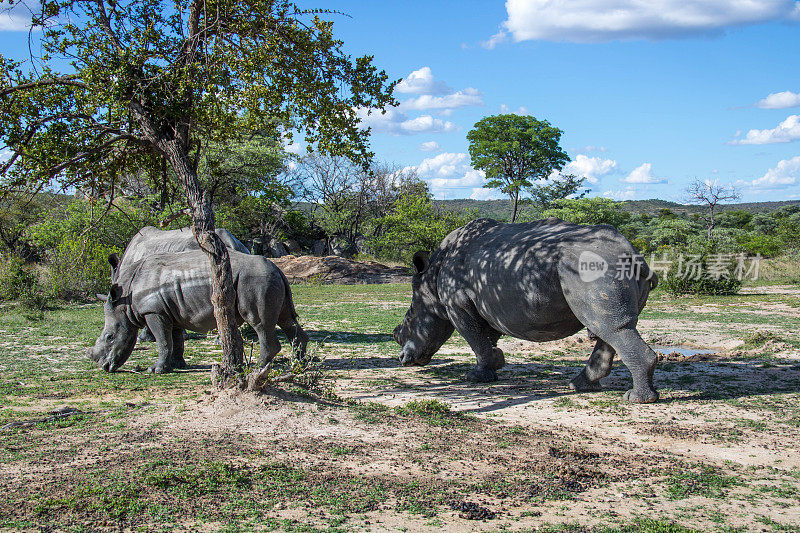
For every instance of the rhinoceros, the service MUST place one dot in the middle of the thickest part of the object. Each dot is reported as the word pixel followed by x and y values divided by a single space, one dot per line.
pixel 537 281
pixel 171 292
pixel 151 240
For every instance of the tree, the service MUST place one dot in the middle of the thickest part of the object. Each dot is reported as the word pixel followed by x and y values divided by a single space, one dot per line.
pixel 119 84
pixel 710 193
pixel 545 194
pixel 589 211
pixel 514 150
pixel 415 223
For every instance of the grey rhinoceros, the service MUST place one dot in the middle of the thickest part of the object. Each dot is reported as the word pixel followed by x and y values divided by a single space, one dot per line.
pixel 171 292
pixel 538 281
pixel 150 240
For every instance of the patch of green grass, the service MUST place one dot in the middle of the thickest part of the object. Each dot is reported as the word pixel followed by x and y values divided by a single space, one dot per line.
pixel 432 411
pixel 707 482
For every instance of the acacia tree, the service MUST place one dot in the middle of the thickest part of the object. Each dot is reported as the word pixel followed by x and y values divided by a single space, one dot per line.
pixel 121 82
pixel 514 151
pixel 710 193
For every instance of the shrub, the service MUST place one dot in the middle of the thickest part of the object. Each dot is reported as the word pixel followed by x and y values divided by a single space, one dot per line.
pixel 19 281
pixel 79 267
pixel 700 274
pixel 764 245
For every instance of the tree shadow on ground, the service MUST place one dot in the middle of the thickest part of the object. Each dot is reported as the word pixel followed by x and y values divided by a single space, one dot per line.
pixel 522 383
pixel 347 337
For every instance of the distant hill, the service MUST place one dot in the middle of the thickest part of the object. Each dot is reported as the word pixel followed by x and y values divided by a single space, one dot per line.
pixel 501 209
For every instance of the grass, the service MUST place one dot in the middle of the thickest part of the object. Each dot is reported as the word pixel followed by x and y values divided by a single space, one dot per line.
pixel 106 467
pixel 707 482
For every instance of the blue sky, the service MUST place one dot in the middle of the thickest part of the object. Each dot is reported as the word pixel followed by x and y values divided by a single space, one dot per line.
pixel 650 95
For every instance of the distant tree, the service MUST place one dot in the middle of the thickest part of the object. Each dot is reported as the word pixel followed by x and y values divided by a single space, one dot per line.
pixel 117 84
pixel 415 223
pixel 568 185
pixel 710 194
pixel 514 151
pixel 589 211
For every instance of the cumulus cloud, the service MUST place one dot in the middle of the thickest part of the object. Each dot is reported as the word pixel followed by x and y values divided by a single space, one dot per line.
pixel 494 40
pixel 607 20
pixel 422 82
pixel 787 131
pixel 429 146
pixel 467 97
pixel 587 167
pixel 643 174
pixel 18 16
pixel 521 110
pixel 785 173
pixel 782 100
pixel 448 172
pixel 621 194
pixel 398 123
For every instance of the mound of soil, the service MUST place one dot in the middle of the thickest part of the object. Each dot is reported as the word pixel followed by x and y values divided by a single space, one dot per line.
pixel 334 269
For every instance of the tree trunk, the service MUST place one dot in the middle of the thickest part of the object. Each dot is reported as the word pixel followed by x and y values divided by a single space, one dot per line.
pixel 514 213
pixel 223 297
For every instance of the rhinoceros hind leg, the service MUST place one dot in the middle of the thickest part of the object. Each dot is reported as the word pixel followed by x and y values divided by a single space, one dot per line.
pixel 598 367
pixel 268 343
pixel 177 360
pixel 498 358
pixel 481 375
pixel 145 335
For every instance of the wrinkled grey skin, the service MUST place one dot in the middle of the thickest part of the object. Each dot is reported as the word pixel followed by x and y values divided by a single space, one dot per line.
pixel 151 240
pixel 489 279
pixel 171 292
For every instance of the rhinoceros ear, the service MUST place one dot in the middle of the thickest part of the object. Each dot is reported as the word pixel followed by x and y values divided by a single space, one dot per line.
pixel 115 293
pixel 102 297
pixel 420 262
pixel 113 260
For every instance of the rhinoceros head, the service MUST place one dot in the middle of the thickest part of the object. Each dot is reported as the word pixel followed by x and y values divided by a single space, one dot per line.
pixel 118 338
pixel 424 328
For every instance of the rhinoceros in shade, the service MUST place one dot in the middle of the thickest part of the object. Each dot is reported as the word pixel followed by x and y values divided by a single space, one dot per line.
pixel 171 292
pixel 150 240
pixel 538 281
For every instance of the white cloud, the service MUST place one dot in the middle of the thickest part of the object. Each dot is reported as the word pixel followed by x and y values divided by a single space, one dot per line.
pixel 521 110
pixel 643 174
pixel 494 40
pixel 607 20
pixel 590 168
pixel 429 146
pixel 422 82
pixel 621 194
pixel 782 100
pixel 17 17
pixel 482 193
pixel 447 173
pixel 786 172
pixel 467 97
pixel 398 123
pixel 787 131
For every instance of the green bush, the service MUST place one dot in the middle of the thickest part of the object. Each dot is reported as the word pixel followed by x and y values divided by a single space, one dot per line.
pixel 20 282
pixel 764 245
pixel 700 274
pixel 79 267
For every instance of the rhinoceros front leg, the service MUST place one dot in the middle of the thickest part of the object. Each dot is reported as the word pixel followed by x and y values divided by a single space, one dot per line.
pixel 598 367
pixel 162 331
pixel 482 339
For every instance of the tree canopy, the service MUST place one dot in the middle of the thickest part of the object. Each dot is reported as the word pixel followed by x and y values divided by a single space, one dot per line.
pixel 119 83
pixel 515 150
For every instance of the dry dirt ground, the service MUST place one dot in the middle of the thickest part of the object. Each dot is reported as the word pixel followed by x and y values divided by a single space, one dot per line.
pixel 384 448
